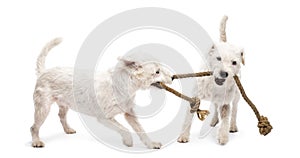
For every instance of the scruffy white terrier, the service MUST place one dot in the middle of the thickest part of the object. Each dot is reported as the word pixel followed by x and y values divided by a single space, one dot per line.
pixel 225 61
pixel 114 90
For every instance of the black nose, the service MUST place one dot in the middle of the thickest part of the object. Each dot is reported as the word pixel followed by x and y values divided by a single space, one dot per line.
pixel 223 74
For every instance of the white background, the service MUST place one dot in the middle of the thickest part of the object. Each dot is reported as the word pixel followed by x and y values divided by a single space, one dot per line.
pixel 268 30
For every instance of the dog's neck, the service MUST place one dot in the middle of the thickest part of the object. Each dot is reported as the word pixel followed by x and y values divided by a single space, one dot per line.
pixel 124 86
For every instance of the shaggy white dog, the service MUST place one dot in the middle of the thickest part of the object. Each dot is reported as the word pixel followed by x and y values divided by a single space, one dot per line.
pixel 114 92
pixel 225 60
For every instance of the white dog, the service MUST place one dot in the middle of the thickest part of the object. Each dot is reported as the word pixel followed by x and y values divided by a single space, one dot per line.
pixel 115 92
pixel 225 60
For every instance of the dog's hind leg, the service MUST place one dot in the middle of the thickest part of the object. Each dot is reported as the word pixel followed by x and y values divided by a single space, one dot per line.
pixel 133 122
pixel 42 108
pixel 185 134
pixel 63 109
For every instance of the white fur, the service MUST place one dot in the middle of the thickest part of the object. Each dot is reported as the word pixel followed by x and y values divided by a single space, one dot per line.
pixel 224 97
pixel 114 90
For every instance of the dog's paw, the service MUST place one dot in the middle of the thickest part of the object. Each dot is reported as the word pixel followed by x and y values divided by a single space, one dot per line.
pixel 70 131
pixel 37 144
pixel 214 122
pixel 154 145
pixel 183 139
pixel 222 140
pixel 233 129
pixel 128 141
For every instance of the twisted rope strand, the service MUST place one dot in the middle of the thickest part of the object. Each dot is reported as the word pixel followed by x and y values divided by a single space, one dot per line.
pixel 263 123
pixel 199 74
pixel 253 107
pixel 194 102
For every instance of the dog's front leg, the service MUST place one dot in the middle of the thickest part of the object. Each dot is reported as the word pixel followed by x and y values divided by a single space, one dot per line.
pixel 223 132
pixel 116 126
pixel 185 131
pixel 133 122
pixel 215 119
pixel 233 127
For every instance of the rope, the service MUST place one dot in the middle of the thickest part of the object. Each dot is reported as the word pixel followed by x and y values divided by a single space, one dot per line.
pixel 194 102
pixel 199 74
pixel 263 123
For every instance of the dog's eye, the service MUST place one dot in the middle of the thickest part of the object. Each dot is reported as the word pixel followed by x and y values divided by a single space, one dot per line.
pixel 157 72
pixel 234 62
pixel 219 58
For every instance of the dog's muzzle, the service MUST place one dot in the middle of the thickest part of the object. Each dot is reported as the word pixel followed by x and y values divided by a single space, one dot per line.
pixel 219 81
pixel 157 85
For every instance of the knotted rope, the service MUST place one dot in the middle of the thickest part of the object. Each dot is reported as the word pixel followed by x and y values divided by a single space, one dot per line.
pixel 194 102
pixel 263 123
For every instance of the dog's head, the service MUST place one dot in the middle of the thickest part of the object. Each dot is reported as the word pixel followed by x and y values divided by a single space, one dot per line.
pixel 225 58
pixel 225 61
pixel 146 73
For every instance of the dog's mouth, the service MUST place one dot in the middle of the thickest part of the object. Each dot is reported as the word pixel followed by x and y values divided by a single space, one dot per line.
pixel 157 85
pixel 219 81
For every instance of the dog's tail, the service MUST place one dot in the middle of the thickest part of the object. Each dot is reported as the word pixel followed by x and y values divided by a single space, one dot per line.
pixel 40 63
pixel 223 29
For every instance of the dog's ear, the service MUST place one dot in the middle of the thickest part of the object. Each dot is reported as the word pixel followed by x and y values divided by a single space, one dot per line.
pixel 130 63
pixel 212 50
pixel 242 56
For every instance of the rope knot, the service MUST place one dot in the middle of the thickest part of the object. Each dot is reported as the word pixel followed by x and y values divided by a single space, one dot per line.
pixel 202 114
pixel 195 104
pixel 264 126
